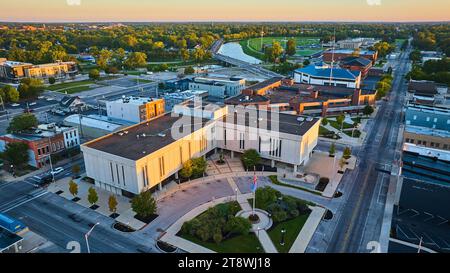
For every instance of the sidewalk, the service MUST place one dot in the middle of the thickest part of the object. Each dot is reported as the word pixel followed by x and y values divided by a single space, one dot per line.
pixel 126 214
pixel 308 230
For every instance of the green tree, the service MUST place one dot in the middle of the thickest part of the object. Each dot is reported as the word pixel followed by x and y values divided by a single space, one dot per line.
pixel 10 94
pixel 16 153
pixel 144 204
pixel 368 110
pixel 22 122
pixel 306 62
pixel 30 88
pixel 324 121
pixel 135 60
pixel 112 203
pixel 340 120
pixel 104 58
pixel 94 74
pixel 250 158
pixel 51 80
pixel 184 54
pixel 92 196
pixel 186 171
pixel 189 70
pixel 73 188
pixel 266 196
pixel 291 47
pixel 237 225
pixel 217 237
pixel 198 167
pixel 347 153
pixel 332 150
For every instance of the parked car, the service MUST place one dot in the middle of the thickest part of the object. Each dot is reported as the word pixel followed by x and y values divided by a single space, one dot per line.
pixel 57 171
pixel 32 103
pixel 15 104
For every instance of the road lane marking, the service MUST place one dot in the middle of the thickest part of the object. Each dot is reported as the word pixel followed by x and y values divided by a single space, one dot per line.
pixel 24 202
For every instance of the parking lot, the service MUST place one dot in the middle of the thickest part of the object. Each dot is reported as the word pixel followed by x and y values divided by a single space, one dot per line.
pixel 423 214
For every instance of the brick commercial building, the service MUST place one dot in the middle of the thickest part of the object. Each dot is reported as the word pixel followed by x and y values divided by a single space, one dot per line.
pixel 360 64
pixel 339 54
pixel 11 71
pixel 47 139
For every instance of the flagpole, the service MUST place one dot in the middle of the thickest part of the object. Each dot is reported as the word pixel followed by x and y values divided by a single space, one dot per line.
pixel 254 189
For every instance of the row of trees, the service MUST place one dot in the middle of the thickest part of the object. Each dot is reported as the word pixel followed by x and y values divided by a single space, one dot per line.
pixel 432 70
pixel 9 94
pixel 93 196
pixel 384 85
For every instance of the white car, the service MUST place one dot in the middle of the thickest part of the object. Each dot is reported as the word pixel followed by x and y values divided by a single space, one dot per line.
pixel 57 171
pixel 41 97
pixel 31 104
pixel 15 104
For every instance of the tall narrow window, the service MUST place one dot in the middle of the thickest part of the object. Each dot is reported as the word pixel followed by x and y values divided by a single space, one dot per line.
pixel 112 172
pixel 279 149
pixel 123 175
pixel 117 171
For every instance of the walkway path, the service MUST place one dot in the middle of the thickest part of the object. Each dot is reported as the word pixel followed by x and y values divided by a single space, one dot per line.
pixel 262 235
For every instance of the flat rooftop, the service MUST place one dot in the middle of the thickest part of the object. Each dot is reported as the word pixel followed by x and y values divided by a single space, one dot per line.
pixel 144 138
pixel 8 238
pixel 286 123
pixel 264 84
pixel 140 140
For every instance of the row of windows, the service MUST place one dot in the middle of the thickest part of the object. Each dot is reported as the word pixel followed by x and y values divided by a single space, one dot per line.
pixel 275 147
pixel 429 119
pixel 424 143
pixel 116 177
pixel 70 134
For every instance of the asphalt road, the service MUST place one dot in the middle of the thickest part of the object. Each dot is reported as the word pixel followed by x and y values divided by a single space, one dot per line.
pixel 62 221
pixel 355 225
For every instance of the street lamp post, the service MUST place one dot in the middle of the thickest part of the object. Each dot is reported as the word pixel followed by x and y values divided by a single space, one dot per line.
pixel 236 190
pixel 283 232
pixel 87 235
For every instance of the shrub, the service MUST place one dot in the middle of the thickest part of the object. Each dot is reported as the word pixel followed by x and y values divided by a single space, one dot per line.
pixel 279 216
pixel 294 213
pixel 217 237
pixel 250 158
pixel 51 80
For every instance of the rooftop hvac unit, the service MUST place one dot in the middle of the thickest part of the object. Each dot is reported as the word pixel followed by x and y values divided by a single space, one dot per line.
pixel 301 119
pixel 309 119
pixel 161 134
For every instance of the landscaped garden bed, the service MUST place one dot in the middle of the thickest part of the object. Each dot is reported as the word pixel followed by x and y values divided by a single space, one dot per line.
pixel 275 181
pixel 147 219
pixel 323 182
pixel 122 227
pixel 289 214
pixel 220 230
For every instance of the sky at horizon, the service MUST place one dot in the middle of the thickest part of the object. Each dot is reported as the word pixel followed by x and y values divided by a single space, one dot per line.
pixel 223 10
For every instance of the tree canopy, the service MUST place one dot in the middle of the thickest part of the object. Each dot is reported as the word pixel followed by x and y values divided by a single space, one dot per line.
pixel 22 123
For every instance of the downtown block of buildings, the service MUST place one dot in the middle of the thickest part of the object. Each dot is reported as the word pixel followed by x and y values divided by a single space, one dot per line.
pixel 13 72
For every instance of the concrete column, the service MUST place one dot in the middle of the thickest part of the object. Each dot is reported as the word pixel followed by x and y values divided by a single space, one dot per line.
pixel 160 186
pixel 272 163
pixel 176 175
pixel 232 154
pixel 295 168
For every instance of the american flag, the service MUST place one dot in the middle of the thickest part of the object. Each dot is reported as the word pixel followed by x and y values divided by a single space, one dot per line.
pixel 255 182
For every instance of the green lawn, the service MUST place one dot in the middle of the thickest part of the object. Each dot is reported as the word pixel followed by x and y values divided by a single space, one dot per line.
pixel 76 89
pixel 69 85
pixel 323 131
pixel 238 244
pixel 336 125
pixel 356 133
pixel 292 227
pixel 252 46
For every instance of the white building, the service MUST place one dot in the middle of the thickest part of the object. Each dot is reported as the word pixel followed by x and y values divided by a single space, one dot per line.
pixel 135 109
pixel 143 156
pixel 71 135
pixel 326 75
pixel 218 87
